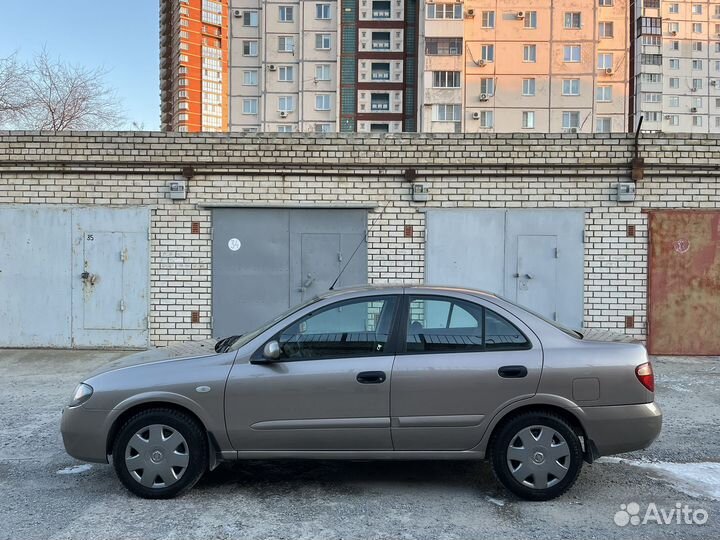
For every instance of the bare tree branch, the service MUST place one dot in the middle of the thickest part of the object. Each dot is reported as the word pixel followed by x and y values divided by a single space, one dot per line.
pixel 14 98
pixel 59 96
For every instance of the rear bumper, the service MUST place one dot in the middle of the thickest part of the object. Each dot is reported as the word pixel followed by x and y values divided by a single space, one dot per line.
pixel 622 428
pixel 83 433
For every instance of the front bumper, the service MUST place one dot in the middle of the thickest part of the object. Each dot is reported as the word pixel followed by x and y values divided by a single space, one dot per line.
pixel 84 433
pixel 622 428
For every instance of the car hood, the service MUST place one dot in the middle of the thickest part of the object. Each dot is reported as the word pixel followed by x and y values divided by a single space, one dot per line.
pixel 186 349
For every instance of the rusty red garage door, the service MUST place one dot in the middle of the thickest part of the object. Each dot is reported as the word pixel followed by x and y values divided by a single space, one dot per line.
pixel 684 282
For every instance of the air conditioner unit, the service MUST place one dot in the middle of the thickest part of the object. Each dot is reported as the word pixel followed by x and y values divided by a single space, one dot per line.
pixel 667 116
pixel 693 109
pixel 570 130
pixel 283 114
pixel 713 83
pixel 673 32
pixel 520 15
pixel 484 97
pixel 481 62
pixel 272 67
pixel 476 116
pixel 237 13
pixel 470 13
pixel 608 71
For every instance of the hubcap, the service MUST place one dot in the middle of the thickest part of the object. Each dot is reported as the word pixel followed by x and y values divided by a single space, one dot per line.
pixel 538 457
pixel 157 456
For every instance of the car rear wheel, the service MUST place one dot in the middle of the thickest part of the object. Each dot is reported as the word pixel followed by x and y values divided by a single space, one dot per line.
pixel 537 456
pixel 160 453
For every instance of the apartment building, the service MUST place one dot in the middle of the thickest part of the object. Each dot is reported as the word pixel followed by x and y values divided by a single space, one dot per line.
pixel 676 51
pixel 284 65
pixel 194 65
pixel 378 66
pixel 521 65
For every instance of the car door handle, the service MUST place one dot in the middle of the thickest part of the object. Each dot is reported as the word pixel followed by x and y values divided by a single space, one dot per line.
pixel 513 372
pixel 371 377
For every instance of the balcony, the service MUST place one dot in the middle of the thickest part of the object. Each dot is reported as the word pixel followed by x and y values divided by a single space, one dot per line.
pixel 381 45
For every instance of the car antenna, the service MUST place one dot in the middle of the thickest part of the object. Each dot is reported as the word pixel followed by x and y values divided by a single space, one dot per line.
pixel 364 239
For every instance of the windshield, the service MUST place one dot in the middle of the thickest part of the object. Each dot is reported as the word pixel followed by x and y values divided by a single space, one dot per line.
pixel 570 332
pixel 245 338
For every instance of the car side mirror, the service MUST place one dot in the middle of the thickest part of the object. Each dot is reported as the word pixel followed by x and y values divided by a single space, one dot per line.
pixel 271 351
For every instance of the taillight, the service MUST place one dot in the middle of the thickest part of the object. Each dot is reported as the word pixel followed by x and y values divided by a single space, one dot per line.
pixel 644 373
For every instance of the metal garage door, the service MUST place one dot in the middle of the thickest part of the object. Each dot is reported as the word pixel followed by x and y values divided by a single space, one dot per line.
pixel 268 259
pixel 684 282
pixel 532 257
pixel 73 277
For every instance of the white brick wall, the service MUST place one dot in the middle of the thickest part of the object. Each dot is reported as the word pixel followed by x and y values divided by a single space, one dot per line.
pixel 469 170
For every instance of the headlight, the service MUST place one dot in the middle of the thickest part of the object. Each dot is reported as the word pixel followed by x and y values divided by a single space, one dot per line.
pixel 81 395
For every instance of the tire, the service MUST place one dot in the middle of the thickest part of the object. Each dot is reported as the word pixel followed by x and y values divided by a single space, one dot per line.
pixel 160 453
pixel 536 455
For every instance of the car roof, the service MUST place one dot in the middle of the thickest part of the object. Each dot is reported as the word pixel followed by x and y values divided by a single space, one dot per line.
pixel 400 288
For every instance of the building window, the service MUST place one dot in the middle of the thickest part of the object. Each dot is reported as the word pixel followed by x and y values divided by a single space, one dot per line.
pixel 380 128
pixel 674 101
pixel 573 19
pixel 571 53
pixel 487 53
pixel 655 41
pixel 487 119
pixel 697 65
pixel 697 121
pixel 673 63
pixel 530 22
pixel 286 74
pixel 674 120
pixel 381 9
pixel 487 86
pixel 529 53
pixel 570 120
pixel 652 97
pixel 286 13
pixel 182 82
pixel 605 60
pixel 528 87
pixel 571 87
pixel 673 28
pixel 379 102
pixel 322 11
pixel 528 119
pixel 323 128
pixel 697 84
pixel 446 113
pixel 250 77
pixel 322 41
pixel 654 78
pixel 605 29
pixel 603 124
pixel 608 3
pixel 380 71
pixel 286 44
pixel 322 72
pixel 284 128
pixel 250 18
pixel 443 46
pixel 488 19
pixel 674 8
pixel 651 116
pixel 444 11
pixel 697 28
pixel 604 94
pixel 380 41
pixel 445 79
pixel 697 46
pixel 322 102
pixel 286 104
pixel 249 106
pixel 652 60
pixel 697 9
pixel 675 45
pixel 250 48
pixel 674 83
pixel 697 102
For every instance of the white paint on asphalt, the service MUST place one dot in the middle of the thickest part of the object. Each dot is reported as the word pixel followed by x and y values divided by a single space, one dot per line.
pixel 77 469
pixel 695 479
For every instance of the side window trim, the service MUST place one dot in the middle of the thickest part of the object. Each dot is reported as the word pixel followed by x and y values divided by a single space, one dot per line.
pixel 389 350
pixel 404 314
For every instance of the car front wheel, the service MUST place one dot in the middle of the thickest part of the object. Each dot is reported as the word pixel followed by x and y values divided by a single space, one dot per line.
pixel 160 453
pixel 537 456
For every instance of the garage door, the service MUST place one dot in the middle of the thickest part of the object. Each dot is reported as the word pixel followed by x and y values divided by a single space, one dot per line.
pixel 268 259
pixel 532 257
pixel 684 282
pixel 73 277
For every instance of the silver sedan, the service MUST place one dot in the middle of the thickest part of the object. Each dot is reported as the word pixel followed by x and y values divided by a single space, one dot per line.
pixel 386 373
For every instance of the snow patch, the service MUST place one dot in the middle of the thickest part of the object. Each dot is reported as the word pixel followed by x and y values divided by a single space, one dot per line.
pixel 76 469
pixel 498 502
pixel 695 479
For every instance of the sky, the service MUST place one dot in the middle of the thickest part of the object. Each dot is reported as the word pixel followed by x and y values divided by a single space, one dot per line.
pixel 121 37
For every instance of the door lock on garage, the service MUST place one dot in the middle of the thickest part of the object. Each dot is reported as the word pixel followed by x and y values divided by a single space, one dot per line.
pixel 87 277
